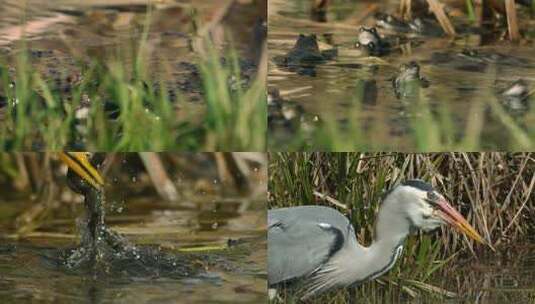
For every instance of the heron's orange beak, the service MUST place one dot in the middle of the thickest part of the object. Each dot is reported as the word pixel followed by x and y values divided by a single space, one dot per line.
pixel 80 164
pixel 455 219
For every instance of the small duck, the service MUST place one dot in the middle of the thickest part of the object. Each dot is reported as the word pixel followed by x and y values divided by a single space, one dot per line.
pixel 282 110
pixel 419 26
pixel 408 79
pixel 425 27
pixel 518 89
pixel 391 23
pixel 289 115
pixel 370 41
pixel 514 96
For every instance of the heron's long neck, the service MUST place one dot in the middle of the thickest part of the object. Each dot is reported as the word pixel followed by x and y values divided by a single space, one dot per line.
pixel 95 213
pixel 391 225
pixel 391 230
pixel 380 256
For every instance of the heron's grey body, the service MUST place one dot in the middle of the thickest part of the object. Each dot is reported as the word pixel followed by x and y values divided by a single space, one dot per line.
pixel 289 226
pixel 317 245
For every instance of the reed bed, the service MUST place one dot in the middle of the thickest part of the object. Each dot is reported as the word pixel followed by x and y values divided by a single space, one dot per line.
pixel 494 191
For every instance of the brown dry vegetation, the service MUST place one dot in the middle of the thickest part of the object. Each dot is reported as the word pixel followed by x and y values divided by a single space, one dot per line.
pixel 494 191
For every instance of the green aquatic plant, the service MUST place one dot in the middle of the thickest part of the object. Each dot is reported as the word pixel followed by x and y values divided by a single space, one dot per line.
pixel 236 116
pixel 470 11
pixel 125 112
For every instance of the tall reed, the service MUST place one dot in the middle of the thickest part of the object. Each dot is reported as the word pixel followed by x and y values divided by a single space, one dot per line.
pixel 494 191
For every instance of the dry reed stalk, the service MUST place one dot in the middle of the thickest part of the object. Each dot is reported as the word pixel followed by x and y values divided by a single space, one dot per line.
pixel 212 26
pixel 320 5
pixel 330 200
pixel 494 190
pixel 233 171
pixel 512 23
pixel 23 180
pixel 438 9
pixel 405 9
pixel 160 180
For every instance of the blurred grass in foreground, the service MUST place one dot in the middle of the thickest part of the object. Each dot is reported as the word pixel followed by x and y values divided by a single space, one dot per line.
pixel 494 191
pixel 38 115
pixel 421 124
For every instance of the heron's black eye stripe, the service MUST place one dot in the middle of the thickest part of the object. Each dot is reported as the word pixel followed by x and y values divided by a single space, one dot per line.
pixel 431 197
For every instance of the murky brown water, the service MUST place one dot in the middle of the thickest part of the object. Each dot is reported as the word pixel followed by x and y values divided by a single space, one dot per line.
pixel 457 92
pixel 93 27
pixel 235 274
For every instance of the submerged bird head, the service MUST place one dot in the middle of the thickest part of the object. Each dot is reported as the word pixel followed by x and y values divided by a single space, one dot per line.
pixel 82 176
pixel 426 209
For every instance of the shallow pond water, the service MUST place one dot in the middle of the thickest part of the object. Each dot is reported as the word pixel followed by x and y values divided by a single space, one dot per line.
pixel 233 270
pixel 95 27
pixel 358 89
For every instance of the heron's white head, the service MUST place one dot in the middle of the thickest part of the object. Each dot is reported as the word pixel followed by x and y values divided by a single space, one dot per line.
pixel 424 208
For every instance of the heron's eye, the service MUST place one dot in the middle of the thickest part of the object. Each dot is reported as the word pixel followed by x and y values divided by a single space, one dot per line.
pixel 431 198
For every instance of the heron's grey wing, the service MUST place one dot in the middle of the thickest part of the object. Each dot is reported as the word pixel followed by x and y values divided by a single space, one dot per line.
pixel 298 243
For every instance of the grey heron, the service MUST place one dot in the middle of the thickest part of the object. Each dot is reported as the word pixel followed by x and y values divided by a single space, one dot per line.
pixel 83 178
pixel 99 244
pixel 317 245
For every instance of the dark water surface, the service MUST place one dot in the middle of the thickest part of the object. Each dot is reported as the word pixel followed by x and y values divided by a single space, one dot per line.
pixel 230 269
pixel 358 89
